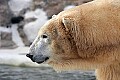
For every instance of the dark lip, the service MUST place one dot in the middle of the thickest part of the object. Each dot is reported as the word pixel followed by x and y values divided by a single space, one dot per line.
pixel 40 62
pixel 46 59
pixel 30 56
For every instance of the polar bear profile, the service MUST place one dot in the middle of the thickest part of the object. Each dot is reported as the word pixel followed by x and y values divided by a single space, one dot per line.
pixel 85 37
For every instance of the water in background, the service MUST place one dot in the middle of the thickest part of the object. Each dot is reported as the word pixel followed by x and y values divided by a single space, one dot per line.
pixel 42 73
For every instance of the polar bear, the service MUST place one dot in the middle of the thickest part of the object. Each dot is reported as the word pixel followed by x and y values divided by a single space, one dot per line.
pixel 85 37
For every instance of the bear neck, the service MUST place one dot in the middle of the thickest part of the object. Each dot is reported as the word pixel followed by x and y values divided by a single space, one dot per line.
pixel 111 72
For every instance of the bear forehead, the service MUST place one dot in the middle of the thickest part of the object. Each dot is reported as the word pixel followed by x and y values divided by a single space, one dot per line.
pixel 48 27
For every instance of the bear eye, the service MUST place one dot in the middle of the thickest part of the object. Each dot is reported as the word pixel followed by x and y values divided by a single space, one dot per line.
pixel 44 36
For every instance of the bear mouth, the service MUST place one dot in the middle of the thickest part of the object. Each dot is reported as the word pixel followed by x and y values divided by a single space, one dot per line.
pixel 38 58
pixel 42 61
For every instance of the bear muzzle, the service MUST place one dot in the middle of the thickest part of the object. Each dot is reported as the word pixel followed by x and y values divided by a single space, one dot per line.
pixel 38 58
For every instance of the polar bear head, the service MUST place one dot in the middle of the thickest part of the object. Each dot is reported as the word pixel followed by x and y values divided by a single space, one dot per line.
pixel 54 44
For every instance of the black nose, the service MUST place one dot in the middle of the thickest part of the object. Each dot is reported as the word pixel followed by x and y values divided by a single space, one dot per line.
pixel 30 56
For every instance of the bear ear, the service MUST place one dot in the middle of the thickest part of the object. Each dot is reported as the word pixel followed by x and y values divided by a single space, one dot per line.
pixel 67 22
pixel 53 16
